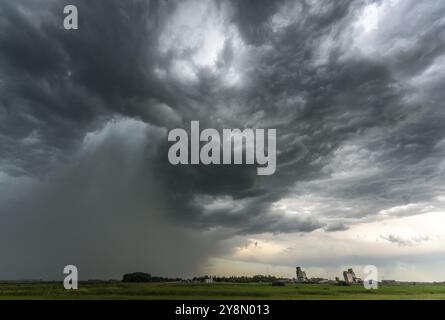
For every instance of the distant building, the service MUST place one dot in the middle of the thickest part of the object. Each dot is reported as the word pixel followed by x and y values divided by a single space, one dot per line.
pixel 279 283
pixel 350 277
pixel 389 281
pixel 318 280
pixel 301 275
pixel 352 272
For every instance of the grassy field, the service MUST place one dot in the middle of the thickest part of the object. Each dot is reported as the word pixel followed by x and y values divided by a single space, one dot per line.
pixel 180 291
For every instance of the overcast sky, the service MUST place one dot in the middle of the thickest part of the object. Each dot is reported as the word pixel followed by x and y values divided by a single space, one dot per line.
pixel 355 90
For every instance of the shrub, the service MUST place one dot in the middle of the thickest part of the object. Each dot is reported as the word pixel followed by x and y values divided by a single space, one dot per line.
pixel 137 277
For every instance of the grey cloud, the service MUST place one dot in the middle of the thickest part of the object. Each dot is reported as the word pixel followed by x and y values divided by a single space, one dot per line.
pixel 402 242
pixel 58 86
pixel 334 227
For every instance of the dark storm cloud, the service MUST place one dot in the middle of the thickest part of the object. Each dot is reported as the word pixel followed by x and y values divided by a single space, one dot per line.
pixel 61 83
pixel 252 18
pixel 103 214
pixel 302 76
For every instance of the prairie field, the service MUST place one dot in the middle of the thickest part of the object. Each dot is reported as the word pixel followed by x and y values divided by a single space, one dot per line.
pixel 115 290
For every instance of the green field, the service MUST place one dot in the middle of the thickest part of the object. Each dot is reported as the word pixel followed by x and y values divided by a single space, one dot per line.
pixel 180 291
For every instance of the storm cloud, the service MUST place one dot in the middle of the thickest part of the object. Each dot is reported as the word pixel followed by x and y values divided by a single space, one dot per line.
pixel 354 89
